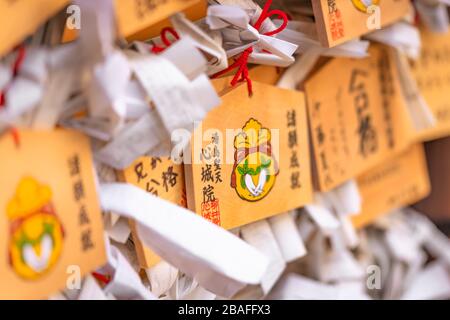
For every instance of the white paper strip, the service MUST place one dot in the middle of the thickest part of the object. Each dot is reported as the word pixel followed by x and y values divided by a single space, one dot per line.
pixel 91 290
pixel 421 114
pixel 339 264
pixel 5 75
pixel 432 283
pixel 437 243
pixel 401 35
pixel 297 287
pixel 345 199
pixel 172 94
pixel 238 35
pixel 161 277
pixel 120 231
pixel 434 14
pixel 126 283
pixel 259 235
pixel 218 260
pixel 134 141
pixel 288 237
pixel 217 58
pixel 184 55
pixel 323 217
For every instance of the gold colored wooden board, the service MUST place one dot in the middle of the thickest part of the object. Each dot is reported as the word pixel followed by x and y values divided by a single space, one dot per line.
pixel 341 20
pixel 138 22
pixel 196 10
pixel 161 177
pixel 397 182
pixel 432 72
pixel 358 116
pixel 137 15
pixel 250 156
pixel 266 74
pixel 21 18
pixel 50 219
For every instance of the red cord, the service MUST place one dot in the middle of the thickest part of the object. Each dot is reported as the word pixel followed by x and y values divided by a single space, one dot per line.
pixel 170 31
pixel 165 40
pixel 241 62
pixel 2 99
pixel 19 60
pixel 15 135
pixel 102 278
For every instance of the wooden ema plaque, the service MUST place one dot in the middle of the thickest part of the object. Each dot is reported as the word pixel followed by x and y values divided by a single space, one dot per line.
pixel 341 20
pixel 397 182
pixel 50 218
pixel 358 116
pixel 250 156
pixel 432 72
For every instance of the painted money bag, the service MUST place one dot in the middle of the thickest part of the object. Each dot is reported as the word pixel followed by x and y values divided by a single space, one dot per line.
pixel 255 169
pixel 364 5
pixel 36 233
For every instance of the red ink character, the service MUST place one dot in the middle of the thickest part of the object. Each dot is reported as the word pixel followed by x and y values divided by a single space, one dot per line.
pixel 211 211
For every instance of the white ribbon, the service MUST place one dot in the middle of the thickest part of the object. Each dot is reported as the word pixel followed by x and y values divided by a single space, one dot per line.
pixel 238 35
pixel 216 259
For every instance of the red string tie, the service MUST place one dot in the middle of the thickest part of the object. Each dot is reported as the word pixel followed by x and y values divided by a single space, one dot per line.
pixel 241 63
pixel 165 40
pixel 105 279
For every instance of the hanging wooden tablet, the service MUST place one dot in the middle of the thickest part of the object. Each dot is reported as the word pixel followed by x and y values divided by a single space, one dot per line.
pixel 250 156
pixel 134 24
pixel 21 19
pixel 341 20
pixel 432 72
pixel 266 74
pixel 137 15
pixel 397 182
pixel 358 116
pixel 50 218
pixel 194 12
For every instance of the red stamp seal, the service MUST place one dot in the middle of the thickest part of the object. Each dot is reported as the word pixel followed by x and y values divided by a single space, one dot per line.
pixel 211 211
pixel 335 21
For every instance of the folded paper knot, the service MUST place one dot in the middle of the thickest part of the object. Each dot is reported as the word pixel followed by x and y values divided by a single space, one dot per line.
pixel 15 70
pixel 241 63
pixel 165 40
